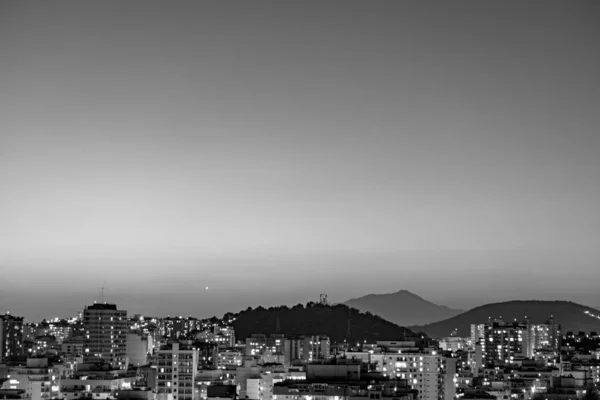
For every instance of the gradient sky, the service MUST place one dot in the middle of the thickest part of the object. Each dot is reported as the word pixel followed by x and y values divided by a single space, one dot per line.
pixel 273 150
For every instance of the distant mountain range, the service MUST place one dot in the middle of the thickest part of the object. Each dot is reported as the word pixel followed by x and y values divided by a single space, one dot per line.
pixel 318 319
pixel 403 308
pixel 571 316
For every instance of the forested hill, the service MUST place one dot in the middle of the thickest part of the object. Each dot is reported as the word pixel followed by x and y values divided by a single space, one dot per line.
pixel 318 319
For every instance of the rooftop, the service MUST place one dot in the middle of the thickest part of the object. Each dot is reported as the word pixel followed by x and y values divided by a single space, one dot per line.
pixel 102 306
pixel 477 395
pixel 327 387
pixel 9 317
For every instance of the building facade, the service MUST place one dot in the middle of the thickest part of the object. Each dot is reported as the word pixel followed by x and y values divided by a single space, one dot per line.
pixel 426 371
pixel 139 346
pixel 11 336
pixel 307 348
pixel 177 369
pixel 259 344
pixel 229 359
pixel 503 342
pixel 105 334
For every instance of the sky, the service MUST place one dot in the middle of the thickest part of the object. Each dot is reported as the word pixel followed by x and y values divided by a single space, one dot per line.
pixel 275 150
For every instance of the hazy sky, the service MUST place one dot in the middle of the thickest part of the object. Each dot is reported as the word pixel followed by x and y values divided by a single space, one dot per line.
pixel 274 150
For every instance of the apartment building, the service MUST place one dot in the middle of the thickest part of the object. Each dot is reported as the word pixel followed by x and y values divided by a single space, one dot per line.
pixel 11 336
pixel 105 334
pixel 177 368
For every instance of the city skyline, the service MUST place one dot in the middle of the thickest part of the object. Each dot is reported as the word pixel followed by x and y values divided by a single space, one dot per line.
pixel 272 151
pixel 159 310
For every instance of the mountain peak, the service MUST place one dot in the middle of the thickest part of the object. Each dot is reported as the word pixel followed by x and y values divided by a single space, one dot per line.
pixel 402 307
pixel 409 293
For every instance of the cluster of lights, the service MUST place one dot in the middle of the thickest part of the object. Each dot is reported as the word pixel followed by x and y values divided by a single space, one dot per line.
pixel 592 314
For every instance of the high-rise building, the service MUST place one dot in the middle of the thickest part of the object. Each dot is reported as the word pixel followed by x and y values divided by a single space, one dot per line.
pixel 105 334
pixel 11 336
pixel 543 337
pixel 475 358
pixel 504 341
pixel 477 334
pixel 177 363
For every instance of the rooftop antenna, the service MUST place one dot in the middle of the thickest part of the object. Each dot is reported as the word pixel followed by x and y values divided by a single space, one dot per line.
pixel 102 292
pixel 323 299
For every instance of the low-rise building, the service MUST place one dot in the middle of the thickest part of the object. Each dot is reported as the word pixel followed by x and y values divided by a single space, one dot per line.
pixel 73 347
pixel 97 384
pixel 139 347
pixel 229 359
pixel 350 390
pixel 453 344
pixel 259 344
pixel 36 378
pixel 433 375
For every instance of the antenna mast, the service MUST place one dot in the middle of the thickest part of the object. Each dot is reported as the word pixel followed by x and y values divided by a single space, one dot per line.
pixel 102 292
pixel 323 299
